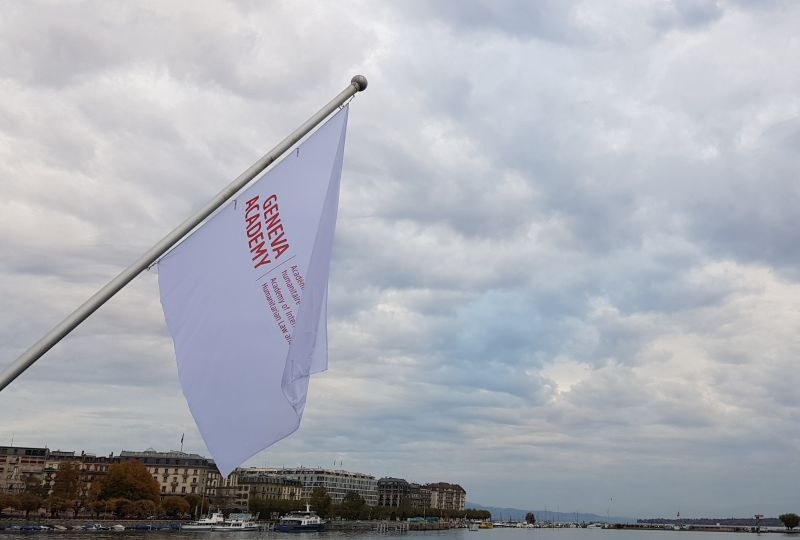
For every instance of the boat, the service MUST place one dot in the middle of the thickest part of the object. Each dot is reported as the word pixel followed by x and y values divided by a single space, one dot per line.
pixel 238 523
pixel 300 521
pixel 204 523
pixel 94 527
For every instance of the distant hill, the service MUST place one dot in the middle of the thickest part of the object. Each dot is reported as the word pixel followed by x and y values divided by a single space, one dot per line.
pixel 515 514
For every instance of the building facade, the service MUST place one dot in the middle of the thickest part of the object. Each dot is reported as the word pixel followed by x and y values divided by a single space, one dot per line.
pixel 336 482
pixel 394 492
pixel 178 473
pixel 446 496
pixel 92 470
pixel 257 485
pixel 21 466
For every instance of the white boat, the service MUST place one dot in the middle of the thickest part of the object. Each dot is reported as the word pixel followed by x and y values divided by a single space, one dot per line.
pixel 204 523
pixel 238 523
pixel 299 521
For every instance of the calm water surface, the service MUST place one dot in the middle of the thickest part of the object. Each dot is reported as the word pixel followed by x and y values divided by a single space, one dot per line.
pixel 452 534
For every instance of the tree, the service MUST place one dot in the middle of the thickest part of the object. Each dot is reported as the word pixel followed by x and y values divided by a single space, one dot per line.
pixel 67 483
pixel 197 504
pixel 7 501
pixel 142 508
pixel 353 505
pixel 530 518
pixel 28 502
pixel 117 506
pixel 97 507
pixel 33 485
pixel 320 501
pixel 175 506
pixel 129 480
pixel 790 520
pixel 66 487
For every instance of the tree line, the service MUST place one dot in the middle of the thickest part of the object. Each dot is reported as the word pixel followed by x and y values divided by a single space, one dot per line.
pixel 353 506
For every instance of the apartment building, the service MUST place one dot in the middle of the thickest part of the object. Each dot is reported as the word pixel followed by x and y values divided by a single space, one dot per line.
pixel 92 469
pixel 178 473
pixel 20 465
pixel 336 482
pixel 446 496
pixel 393 492
pixel 256 485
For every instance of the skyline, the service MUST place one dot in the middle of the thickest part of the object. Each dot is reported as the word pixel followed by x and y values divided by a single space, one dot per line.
pixel 564 270
pixel 543 514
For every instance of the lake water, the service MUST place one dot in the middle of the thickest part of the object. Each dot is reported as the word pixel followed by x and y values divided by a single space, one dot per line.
pixel 452 534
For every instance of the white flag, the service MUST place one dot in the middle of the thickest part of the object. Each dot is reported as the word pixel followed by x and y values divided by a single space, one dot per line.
pixel 244 297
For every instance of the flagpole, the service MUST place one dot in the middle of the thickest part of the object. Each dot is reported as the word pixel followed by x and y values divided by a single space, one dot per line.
pixel 357 84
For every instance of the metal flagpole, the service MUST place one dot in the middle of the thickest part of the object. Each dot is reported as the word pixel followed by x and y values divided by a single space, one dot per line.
pixel 357 84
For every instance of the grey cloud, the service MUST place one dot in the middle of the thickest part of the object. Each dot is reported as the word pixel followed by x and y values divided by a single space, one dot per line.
pixel 692 14
pixel 565 235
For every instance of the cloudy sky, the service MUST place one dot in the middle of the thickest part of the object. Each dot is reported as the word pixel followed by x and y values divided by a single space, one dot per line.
pixel 565 271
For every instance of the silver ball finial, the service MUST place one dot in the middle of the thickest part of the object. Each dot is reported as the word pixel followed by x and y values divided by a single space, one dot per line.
pixel 360 81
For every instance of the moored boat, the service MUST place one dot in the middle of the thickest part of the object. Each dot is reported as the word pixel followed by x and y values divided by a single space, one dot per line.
pixel 300 521
pixel 238 523
pixel 204 523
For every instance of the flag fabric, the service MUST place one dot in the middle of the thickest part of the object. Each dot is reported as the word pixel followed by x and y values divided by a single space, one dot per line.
pixel 245 300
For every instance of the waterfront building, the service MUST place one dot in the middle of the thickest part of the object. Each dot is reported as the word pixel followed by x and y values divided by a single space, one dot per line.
pixel 336 482
pixel 178 473
pixel 419 496
pixel 441 495
pixel 257 485
pixel 393 492
pixel 21 466
pixel 446 496
pixel 92 469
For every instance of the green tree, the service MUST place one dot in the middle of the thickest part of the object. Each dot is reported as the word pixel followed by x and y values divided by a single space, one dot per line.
pixel 28 502
pixel 197 505
pixel 129 480
pixel 175 506
pixel 320 501
pixel 353 505
pixel 530 518
pixel 790 521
